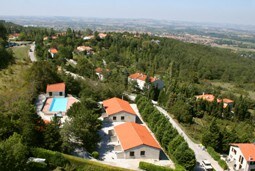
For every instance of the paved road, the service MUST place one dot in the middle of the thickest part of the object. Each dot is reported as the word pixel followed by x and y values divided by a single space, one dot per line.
pixel 199 152
pixel 31 52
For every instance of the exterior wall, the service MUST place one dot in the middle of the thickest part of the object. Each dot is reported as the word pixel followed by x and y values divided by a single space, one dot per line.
pixel 127 117
pixel 139 82
pixel 56 94
pixel 234 157
pixel 117 148
pixel 113 139
pixel 150 152
pixel 120 155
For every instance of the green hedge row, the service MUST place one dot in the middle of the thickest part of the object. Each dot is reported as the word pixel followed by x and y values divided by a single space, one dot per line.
pixel 174 144
pixel 151 167
pixel 216 157
pixel 56 159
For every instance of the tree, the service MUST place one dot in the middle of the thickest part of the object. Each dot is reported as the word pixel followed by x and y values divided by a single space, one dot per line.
pixel 52 138
pixel 13 154
pixel 185 156
pixel 213 137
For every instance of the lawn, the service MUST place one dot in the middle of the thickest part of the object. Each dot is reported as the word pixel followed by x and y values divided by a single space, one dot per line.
pixel 21 52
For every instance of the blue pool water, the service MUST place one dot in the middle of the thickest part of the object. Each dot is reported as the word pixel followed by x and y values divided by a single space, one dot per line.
pixel 58 105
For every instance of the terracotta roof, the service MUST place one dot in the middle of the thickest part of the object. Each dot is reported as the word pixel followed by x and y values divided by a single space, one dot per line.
pixel 247 149
pixel 53 50
pixel 207 97
pixel 102 35
pixel 141 76
pixel 84 48
pixel 228 101
pixel 56 87
pixel 115 105
pixel 98 70
pixel 132 135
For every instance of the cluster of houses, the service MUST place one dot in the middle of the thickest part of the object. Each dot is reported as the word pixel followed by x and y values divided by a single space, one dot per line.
pixel 132 140
pixel 210 98
pixel 56 103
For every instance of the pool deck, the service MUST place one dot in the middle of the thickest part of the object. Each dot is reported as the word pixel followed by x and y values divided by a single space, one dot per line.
pixel 45 112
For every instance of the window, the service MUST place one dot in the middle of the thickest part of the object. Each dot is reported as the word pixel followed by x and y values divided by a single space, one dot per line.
pixel 122 118
pixel 50 93
pixel 252 163
pixel 114 118
pixel 132 154
pixel 142 153
pixel 61 93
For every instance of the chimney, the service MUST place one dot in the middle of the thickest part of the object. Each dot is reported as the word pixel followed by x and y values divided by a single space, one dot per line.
pixel 250 158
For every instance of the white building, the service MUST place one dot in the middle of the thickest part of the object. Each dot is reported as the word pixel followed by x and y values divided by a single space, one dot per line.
pixel 134 141
pixel 118 110
pixel 242 156
pixel 140 78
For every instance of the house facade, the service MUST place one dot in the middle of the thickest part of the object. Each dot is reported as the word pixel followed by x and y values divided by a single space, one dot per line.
pixel 118 110
pixel 242 156
pixel 56 90
pixel 53 52
pixel 134 141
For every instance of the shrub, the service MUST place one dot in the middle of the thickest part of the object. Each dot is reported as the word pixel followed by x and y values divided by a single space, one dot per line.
pixel 151 167
pixel 216 157
pixel 95 154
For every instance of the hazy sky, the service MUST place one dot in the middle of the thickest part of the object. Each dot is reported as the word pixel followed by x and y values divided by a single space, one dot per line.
pixel 219 11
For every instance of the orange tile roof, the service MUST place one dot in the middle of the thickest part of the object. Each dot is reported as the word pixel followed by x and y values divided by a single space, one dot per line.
pixel 228 101
pixel 84 48
pixel 132 135
pixel 207 97
pixel 56 87
pixel 98 70
pixel 102 35
pixel 53 50
pixel 115 105
pixel 247 149
pixel 141 76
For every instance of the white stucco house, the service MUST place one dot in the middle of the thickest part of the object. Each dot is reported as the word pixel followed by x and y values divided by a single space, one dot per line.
pixel 118 110
pixel 242 156
pixel 134 141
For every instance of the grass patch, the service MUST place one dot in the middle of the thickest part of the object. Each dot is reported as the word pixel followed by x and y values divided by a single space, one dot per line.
pixel 21 52
pixel 151 167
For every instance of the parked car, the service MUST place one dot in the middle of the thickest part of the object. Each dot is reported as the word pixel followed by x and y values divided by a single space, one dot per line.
pixel 30 50
pixel 207 165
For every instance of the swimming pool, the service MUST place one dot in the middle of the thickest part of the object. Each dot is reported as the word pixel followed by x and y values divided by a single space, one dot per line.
pixel 58 105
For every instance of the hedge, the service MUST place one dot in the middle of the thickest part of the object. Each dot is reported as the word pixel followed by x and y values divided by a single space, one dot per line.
pixel 167 136
pixel 151 167
pixel 216 157
pixel 78 163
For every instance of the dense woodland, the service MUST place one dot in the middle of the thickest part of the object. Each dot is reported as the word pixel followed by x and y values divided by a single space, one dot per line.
pixel 185 68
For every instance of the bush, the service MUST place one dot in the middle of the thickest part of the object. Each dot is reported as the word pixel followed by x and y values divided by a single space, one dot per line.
pixel 53 158
pixel 151 167
pixel 216 157
pixel 95 154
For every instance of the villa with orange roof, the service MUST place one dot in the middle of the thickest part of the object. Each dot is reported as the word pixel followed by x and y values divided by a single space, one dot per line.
pixel 102 35
pixel 118 110
pixel 242 156
pixel 140 78
pixel 210 98
pixel 53 52
pixel 134 141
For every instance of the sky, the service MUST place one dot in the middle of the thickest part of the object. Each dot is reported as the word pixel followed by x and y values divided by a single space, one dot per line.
pixel 210 11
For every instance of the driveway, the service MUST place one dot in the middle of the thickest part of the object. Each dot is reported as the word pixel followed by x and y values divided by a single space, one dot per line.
pixel 31 52
pixel 199 152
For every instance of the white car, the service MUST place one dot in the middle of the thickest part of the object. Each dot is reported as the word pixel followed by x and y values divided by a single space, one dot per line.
pixel 207 165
